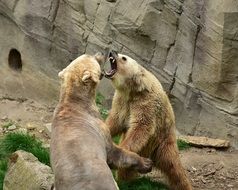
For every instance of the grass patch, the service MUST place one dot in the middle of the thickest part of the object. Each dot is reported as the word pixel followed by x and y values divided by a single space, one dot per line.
pixel 99 98
pixel 103 112
pixel 3 170
pixel 142 184
pixel 19 141
pixel 183 145
pixel 116 139
pixel 99 101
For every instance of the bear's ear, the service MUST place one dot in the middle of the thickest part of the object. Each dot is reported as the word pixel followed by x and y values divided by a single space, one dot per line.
pixel 61 74
pixel 87 76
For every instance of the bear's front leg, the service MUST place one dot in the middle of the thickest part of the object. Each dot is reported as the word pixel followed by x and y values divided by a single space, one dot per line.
pixel 142 126
pixel 120 158
pixel 114 123
pixel 117 115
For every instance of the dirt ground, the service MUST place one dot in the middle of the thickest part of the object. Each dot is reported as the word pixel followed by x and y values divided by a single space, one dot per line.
pixel 212 169
pixel 26 115
pixel 207 168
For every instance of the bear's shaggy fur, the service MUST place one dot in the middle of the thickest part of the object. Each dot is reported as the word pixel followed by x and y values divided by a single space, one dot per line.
pixel 81 146
pixel 142 113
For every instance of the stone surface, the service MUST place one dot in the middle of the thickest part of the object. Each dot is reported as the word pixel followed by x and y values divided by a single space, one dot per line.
pixel 30 126
pixel 191 46
pixel 47 128
pixel 205 141
pixel 4 118
pixel 11 127
pixel 26 172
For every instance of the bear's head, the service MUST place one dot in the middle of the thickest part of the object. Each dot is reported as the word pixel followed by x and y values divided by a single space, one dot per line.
pixel 81 76
pixel 125 73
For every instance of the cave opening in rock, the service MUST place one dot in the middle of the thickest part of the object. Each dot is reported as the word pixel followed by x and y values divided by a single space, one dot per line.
pixel 14 60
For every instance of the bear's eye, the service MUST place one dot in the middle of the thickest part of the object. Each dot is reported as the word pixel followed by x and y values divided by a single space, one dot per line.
pixel 124 58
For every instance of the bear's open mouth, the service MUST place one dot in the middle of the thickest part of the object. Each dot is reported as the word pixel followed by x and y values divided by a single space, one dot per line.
pixel 113 62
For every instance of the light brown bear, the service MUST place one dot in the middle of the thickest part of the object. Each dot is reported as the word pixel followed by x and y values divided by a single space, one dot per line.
pixel 81 146
pixel 142 113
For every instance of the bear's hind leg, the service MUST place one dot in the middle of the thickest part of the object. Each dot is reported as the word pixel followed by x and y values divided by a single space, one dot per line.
pixel 168 161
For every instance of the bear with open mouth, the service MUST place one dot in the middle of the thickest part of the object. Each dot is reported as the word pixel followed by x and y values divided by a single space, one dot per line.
pixel 141 112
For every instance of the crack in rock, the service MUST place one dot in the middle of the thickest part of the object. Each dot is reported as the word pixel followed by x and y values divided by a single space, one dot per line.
pixel 190 79
pixel 173 80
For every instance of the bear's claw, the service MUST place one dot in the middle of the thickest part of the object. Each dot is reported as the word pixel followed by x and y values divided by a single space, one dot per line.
pixel 145 166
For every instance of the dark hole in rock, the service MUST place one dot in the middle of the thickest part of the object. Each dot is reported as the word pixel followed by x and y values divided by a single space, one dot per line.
pixel 14 60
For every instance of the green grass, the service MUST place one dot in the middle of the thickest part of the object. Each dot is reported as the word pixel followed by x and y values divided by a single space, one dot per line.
pixel 99 98
pixel 116 139
pixel 182 145
pixel 3 170
pixel 19 141
pixel 142 184
pixel 99 101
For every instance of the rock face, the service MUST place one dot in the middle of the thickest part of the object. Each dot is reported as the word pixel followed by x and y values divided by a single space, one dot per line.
pixel 26 172
pixel 191 46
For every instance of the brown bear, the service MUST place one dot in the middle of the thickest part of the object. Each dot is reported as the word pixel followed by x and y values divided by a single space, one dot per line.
pixel 81 146
pixel 142 113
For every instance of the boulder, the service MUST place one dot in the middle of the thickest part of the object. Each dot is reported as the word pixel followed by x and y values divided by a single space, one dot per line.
pixel 205 142
pixel 26 172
